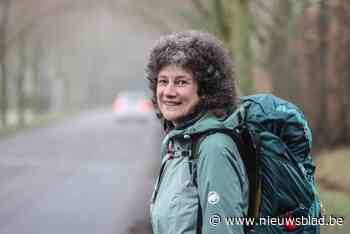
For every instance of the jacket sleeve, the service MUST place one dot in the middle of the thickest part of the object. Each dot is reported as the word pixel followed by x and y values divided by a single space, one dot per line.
pixel 222 185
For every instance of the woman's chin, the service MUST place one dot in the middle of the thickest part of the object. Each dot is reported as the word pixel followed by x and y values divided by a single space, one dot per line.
pixel 172 117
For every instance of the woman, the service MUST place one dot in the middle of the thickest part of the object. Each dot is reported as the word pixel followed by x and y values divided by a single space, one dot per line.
pixel 191 77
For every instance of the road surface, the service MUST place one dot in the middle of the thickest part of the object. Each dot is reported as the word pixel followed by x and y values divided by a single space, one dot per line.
pixel 85 175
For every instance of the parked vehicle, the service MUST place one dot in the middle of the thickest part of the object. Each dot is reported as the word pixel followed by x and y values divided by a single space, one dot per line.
pixel 132 105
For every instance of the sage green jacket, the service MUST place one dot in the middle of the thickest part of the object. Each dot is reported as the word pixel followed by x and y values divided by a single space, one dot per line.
pixel 195 196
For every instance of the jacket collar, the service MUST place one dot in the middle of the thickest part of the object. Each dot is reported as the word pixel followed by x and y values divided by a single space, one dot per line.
pixel 204 122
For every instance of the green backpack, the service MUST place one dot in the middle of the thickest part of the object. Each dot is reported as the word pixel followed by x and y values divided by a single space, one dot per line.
pixel 275 141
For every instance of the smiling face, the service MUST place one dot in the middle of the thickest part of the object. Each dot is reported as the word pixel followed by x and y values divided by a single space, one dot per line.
pixel 176 93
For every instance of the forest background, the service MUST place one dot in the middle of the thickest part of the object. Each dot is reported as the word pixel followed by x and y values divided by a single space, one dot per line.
pixel 58 57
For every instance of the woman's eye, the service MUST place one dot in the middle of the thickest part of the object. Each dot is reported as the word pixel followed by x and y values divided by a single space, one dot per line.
pixel 162 82
pixel 181 82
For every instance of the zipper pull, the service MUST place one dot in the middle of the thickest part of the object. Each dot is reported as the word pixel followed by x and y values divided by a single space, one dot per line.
pixel 170 150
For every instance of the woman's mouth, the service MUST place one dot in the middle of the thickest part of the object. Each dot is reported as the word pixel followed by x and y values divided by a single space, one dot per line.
pixel 171 103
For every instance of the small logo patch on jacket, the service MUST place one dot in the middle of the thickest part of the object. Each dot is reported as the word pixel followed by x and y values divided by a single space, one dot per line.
pixel 213 197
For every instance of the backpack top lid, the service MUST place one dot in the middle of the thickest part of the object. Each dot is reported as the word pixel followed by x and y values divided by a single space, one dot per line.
pixel 266 112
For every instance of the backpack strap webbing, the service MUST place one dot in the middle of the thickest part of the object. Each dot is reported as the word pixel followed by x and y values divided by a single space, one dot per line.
pixel 248 146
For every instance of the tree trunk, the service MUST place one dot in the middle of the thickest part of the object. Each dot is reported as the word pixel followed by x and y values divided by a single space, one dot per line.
pixel 241 30
pixel 5 4
pixel 22 103
pixel 322 96
pixel 281 55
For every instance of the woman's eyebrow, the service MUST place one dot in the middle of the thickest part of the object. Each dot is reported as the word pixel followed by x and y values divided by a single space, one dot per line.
pixel 182 77
pixel 176 77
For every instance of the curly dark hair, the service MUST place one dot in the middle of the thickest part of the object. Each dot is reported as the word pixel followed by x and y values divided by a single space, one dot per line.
pixel 206 58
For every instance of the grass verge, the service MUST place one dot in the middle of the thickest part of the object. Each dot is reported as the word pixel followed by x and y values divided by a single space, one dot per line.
pixel 334 183
pixel 37 121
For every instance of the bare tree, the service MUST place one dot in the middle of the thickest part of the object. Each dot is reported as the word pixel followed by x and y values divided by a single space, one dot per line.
pixel 230 20
pixel 336 125
pixel 241 27
pixel 5 5
pixel 325 67
pixel 321 78
pixel 22 99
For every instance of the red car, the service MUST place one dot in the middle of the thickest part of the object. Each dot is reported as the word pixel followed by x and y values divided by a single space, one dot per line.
pixel 132 105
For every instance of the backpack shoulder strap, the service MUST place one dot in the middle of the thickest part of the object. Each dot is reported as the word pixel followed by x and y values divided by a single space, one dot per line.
pixel 196 141
pixel 248 146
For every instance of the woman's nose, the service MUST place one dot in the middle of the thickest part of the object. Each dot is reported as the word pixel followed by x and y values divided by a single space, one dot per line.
pixel 170 90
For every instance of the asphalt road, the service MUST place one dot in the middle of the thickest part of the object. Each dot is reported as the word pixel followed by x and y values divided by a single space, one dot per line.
pixel 85 175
